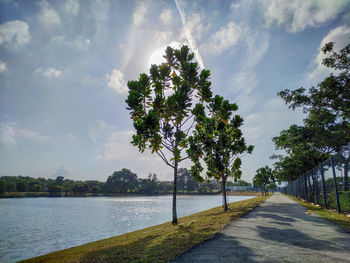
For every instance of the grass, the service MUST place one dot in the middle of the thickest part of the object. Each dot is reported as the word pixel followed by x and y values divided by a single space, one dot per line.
pixel 332 215
pixel 24 194
pixel 244 193
pixel 160 243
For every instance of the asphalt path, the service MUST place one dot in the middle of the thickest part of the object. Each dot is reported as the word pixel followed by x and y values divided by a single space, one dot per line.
pixel 278 230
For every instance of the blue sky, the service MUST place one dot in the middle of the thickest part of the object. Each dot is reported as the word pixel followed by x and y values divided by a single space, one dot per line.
pixel 64 66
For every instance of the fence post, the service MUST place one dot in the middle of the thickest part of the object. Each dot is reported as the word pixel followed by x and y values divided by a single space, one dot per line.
pixel 316 185
pixel 323 186
pixel 335 185
pixel 310 188
pixel 305 186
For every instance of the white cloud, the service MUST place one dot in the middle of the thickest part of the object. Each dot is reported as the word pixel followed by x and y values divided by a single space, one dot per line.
pixel 10 131
pixel 162 36
pixel 49 73
pixel 117 82
pixel 224 39
pixel 61 171
pixel 48 16
pixel 98 131
pixel 166 16
pixel 14 33
pixel 7 133
pixel 138 17
pixel 71 6
pixel 3 67
pixel 118 146
pixel 339 35
pixel 189 28
pixel 244 83
pixel 272 117
pixel 297 15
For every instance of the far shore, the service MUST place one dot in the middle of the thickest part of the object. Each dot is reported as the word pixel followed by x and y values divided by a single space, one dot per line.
pixel 47 194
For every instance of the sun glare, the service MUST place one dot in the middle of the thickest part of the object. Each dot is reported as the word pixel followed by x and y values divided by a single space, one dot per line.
pixel 156 56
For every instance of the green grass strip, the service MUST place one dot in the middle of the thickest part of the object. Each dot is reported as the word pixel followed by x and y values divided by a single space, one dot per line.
pixel 160 243
pixel 332 215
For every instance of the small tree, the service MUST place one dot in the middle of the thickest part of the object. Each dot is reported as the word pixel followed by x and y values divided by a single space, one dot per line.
pixel 161 107
pixel 263 178
pixel 218 141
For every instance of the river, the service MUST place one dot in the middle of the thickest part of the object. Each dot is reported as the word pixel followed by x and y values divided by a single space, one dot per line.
pixel 30 227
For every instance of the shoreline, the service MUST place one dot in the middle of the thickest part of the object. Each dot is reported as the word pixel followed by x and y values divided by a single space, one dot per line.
pixel 47 194
pixel 159 243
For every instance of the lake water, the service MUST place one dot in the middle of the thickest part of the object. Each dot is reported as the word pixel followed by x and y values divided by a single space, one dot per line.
pixel 31 227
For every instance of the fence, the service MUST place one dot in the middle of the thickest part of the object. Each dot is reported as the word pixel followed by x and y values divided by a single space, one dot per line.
pixel 326 184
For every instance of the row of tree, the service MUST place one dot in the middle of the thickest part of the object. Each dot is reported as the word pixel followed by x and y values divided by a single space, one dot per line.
pixel 121 182
pixel 326 127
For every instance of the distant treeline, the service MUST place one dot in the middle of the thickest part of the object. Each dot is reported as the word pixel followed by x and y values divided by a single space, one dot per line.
pixel 120 182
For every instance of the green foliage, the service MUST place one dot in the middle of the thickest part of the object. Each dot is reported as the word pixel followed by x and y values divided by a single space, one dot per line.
pixel 160 103
pixel 264 179
pixel 2 186
pixel 22 186
pixel 344 200
pixel 218 141
pixel 161 107
pixel 54 189
pixel 327 124
pixel 121 182
pixel 299 142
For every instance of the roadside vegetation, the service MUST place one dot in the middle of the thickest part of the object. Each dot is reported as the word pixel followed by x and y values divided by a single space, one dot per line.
pixel 160 243
pixel 331 214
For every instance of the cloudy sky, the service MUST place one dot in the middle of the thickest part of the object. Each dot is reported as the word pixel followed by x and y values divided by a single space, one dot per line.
pixel 64 66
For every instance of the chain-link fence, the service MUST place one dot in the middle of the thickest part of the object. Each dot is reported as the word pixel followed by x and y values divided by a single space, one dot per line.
pixel 326 184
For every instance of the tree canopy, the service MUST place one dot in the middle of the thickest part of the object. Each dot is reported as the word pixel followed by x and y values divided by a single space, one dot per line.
pixel 162 105
pixel 218 141
pixel 327 124
pixel 264 179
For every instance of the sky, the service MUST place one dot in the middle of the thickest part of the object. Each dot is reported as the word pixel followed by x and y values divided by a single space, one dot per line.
pixel 64 68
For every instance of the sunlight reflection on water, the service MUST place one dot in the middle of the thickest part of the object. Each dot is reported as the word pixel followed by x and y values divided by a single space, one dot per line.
pixel 31 227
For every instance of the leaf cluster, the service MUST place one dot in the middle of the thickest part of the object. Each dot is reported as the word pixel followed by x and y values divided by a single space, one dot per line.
pixel 218 141
pixel 161 103
pixel 327 124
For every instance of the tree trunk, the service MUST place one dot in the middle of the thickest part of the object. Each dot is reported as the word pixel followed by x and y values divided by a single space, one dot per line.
pixel 224 193
pixel 174 222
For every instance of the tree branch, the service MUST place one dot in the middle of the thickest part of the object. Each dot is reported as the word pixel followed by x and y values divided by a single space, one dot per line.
pixel 161 155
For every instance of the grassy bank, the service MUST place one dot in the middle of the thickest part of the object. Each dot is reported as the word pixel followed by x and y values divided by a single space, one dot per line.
pixel 332 215
pixel 160 243
pixel 46 194
pixel 244 193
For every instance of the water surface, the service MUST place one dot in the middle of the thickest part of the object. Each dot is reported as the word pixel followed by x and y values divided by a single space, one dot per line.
pixel 30 227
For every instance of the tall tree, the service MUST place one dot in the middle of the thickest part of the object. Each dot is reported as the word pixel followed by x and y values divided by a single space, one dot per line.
pixel 327 124
pixel 161 106
pixel 301 145
pixel 218 141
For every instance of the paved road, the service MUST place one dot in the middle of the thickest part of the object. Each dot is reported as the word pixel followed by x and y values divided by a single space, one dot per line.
pixel 278 230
